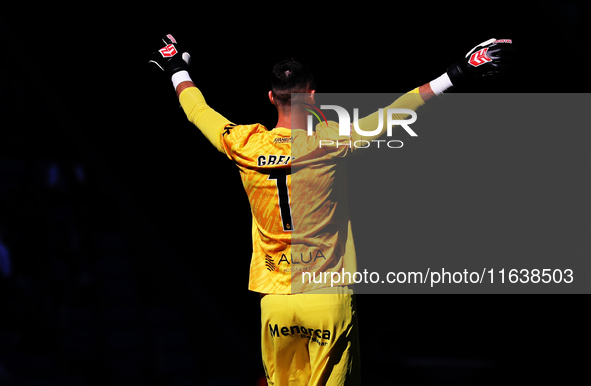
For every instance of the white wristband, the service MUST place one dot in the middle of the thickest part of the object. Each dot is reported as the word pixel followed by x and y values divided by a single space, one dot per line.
pixel 441 84
pixel 179 77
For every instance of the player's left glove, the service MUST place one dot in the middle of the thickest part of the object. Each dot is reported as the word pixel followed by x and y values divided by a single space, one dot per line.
pixel 169 58
pixel 490 57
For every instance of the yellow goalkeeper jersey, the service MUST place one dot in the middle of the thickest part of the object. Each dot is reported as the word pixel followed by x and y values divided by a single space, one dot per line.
pixel 300 215
pixel 300 211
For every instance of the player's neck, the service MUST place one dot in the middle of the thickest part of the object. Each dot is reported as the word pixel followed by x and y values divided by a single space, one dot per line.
pixel 292 121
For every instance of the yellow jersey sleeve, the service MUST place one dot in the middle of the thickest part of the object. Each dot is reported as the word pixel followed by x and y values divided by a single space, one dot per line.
pixel 208 121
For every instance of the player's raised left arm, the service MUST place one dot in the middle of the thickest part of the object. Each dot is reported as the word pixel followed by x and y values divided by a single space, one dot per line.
pixel 176 64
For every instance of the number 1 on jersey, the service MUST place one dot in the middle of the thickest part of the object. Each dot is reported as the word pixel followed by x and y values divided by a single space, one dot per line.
pixel 280 177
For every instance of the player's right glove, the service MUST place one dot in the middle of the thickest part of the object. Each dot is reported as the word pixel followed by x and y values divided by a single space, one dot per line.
pixel 490 57
pixel 169 58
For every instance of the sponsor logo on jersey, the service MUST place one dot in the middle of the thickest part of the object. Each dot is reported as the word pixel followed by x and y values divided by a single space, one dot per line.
pixel 316 335
pixel 270 263
pixel 301 258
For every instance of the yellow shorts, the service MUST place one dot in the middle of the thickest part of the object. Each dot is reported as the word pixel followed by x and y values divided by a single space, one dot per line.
pixel 310 339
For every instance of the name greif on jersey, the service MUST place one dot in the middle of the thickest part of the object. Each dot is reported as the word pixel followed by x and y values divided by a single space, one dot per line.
pixel 269 160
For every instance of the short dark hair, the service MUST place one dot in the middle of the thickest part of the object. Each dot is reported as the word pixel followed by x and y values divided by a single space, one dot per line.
pixel 291 76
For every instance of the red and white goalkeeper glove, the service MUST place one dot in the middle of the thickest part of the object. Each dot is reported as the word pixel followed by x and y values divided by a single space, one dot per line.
pixel 494 56
pixel 172 60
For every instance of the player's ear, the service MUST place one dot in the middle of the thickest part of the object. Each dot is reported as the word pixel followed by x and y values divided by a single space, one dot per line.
pixel 271 97
pixel 312 99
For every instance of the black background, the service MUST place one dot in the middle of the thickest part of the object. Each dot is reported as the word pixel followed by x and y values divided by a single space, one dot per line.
pixel 87 69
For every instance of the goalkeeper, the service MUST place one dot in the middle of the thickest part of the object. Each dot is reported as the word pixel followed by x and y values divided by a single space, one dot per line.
pixel 309 335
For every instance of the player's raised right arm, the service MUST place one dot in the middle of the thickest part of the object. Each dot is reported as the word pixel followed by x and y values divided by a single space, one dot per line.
pixel 210 122
pixel 176 65
pixel 491 57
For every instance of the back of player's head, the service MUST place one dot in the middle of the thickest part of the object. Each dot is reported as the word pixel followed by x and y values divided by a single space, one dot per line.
pixel 291 76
